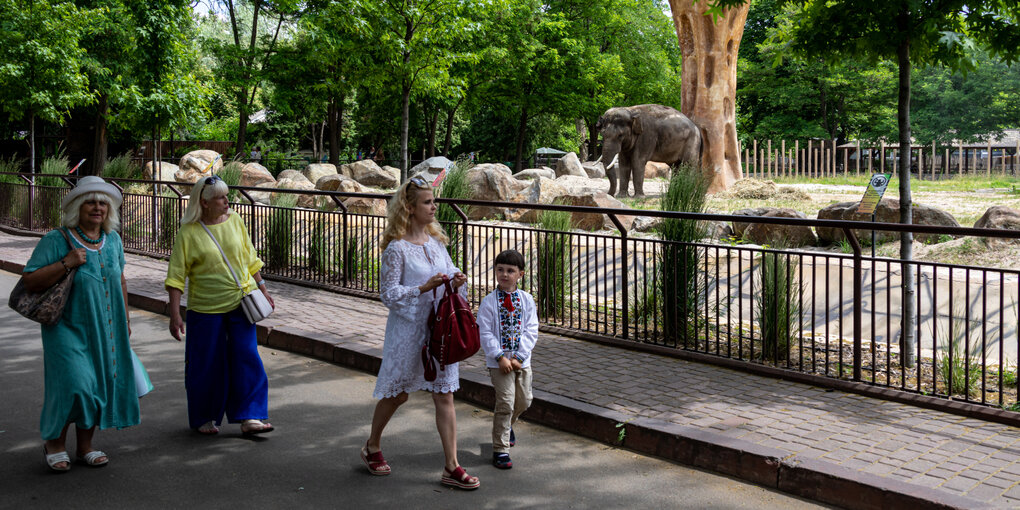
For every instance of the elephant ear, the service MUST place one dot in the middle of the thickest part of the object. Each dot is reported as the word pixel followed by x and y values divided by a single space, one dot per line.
pixel 635 124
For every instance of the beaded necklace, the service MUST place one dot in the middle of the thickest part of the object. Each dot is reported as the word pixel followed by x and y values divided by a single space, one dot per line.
pixel 87 238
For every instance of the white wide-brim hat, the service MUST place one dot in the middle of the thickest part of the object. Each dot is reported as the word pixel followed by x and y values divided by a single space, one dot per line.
pixel 90 184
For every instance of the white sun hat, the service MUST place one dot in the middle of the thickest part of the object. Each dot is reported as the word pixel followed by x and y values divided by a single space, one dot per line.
pixel 91 184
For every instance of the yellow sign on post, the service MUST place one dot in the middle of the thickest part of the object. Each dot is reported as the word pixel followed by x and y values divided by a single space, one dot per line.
pixel 876 188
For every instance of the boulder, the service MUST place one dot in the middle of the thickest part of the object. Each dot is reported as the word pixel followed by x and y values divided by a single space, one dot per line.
pixel 291 174
pixel 369 206
pixel 656 170
pixel 785 236
pixel 717 230
pixel 263 197
pixel 888 211
pixel 198 161
pixel 754 189
pixel 188 176
pixel 493 182
pixel 167 171
pixel 570 165
pixel 581 185
pixel 540 191
pixel 647 223
pixel 337 182
pixel 253 174
pixel 368 173
pixel 305 201
pixel 594 169
pixel 596 220
pixel 535 173
pixel 432 166
pixel 315 171
pixel 739 227
pixel 1000 217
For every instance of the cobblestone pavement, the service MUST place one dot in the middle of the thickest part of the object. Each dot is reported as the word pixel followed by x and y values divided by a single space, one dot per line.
pixel 901 444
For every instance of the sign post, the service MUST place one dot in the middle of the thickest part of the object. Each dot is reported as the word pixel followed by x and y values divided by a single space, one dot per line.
pixel 872 196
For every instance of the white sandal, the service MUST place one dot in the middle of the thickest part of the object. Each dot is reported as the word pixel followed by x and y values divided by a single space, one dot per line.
pixel 52 459
pixel 92 458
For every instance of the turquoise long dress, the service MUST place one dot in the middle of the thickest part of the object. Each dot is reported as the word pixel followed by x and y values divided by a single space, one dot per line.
pixel 90 370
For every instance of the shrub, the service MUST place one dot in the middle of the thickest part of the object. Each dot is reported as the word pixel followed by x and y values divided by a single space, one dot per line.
pixel 680 283
pixel 122 167
pixel 231 174
pixel 455 185
pixel 280 232
pixel 319 244
pixel 778 306
pixel 959 370
pixel 169 219
pixel 554 247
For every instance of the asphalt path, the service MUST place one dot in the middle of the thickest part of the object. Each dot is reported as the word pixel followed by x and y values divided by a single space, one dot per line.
pixel 322 414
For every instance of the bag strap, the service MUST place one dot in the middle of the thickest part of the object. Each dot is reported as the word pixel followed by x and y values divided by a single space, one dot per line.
pixel 217 243
pixel 63 232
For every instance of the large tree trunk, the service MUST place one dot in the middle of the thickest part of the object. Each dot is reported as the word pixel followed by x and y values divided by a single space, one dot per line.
pixel 333 117
pixel 522 126
pixel 405 118
pixel 101 144
pixel 449 126
pixel 708 84
pixel 593 142
pixel 433 122
pixel 242 124
pixel 906 207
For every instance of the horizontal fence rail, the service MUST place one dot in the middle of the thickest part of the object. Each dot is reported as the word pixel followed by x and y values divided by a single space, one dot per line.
pixel 830 315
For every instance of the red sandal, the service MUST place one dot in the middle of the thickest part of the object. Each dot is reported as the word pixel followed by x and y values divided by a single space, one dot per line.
pixel 458 478
pixel 376 463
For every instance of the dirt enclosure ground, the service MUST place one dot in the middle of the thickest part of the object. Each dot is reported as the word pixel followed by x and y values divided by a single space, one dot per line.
pixel 966 200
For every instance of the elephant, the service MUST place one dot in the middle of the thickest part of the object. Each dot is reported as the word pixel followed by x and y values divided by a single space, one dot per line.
pixel 634 135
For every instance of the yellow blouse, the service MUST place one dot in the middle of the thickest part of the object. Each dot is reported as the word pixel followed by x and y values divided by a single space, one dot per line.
pixel 195 258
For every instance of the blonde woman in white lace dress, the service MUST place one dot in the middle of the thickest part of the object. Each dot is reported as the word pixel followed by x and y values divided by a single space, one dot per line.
pixel 414 263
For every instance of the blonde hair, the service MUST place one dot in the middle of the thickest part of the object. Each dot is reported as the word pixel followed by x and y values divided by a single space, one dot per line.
pixel 398 215
pixel 70 214
pixel 199 191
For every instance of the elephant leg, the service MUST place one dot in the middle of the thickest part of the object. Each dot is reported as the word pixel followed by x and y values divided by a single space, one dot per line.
pixel 624 180
pixel 611 174
pixel 639 179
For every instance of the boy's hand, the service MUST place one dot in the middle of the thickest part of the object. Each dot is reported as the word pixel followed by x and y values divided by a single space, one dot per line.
pixel 505 366
pixel 515 364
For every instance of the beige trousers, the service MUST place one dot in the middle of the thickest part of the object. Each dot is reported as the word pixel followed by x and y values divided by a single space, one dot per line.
pixel 513 396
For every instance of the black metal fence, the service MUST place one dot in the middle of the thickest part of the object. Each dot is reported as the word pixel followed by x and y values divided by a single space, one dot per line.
pixel 824 313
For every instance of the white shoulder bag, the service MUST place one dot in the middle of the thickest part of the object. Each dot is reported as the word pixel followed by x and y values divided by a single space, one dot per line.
pixel 255 305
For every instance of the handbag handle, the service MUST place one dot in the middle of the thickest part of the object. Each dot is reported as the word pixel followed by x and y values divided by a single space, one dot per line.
pixel 218 247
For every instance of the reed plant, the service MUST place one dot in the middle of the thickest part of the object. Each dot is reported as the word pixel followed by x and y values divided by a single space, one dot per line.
pixel 681 284
pixel 280 231
pixel 320 244
pixel 958 368
pixel 455 185
pixel 554 249
pixel 122 167
pixel 231 174
pixel 169 219
pixel 778 312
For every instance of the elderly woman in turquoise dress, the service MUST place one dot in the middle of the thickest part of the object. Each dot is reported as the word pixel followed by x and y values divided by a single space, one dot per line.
pixel 90 369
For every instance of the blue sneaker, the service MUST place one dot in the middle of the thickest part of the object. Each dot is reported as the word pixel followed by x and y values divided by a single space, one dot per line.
pixel 513 438
pixel 502 460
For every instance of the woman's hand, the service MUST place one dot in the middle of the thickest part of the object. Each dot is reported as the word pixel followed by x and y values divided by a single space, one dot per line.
pixel 459 279
pixel 176 326
pixel 75 258
pixel 435 281
pixel 268 297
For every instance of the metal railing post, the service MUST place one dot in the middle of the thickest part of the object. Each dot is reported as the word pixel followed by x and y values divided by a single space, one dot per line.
pixel 623 276
pixel 463 237
pixel 858 300
pixel 346 270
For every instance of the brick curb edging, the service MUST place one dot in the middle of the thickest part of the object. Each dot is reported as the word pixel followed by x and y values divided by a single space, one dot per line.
pixel 813 479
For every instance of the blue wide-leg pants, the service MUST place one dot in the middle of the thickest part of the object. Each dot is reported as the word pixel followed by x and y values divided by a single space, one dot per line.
pixel 222 369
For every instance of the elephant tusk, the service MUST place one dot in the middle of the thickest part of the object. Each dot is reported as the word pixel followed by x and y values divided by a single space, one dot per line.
pixel 613 163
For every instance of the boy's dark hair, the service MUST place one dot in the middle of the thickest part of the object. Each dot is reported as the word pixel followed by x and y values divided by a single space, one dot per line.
pixel 510 258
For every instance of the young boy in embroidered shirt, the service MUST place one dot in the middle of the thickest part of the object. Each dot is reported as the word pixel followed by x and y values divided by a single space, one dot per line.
pixel 508 327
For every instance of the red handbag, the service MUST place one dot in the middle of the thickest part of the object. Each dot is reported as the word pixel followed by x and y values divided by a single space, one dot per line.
pixel 454 333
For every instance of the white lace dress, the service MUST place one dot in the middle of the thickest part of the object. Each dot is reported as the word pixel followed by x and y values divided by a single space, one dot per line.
pixel 405 266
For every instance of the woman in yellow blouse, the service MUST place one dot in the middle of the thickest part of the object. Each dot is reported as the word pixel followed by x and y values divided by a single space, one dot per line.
pixel 223 370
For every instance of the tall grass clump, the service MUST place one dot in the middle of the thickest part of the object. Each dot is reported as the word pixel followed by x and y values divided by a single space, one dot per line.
pixel 320 243
pixel 122 167
pixel 455 185
pixel 959 370
pixel 553 262
pixel 231 174
pixel 280 231
pixel 170 212
pixel 778 305
pixel 680 282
